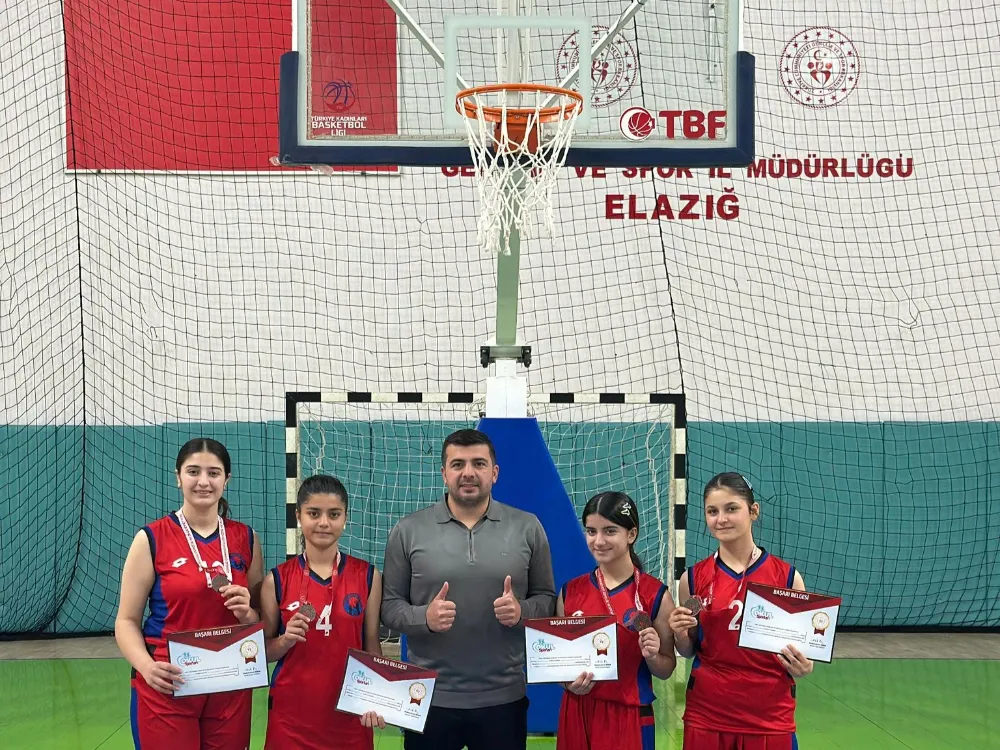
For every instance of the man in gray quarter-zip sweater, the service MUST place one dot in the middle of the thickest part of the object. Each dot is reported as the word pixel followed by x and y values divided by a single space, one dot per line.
pixel 458 579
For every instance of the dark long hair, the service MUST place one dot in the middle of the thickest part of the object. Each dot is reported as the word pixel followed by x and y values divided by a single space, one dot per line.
pixel 733 482
pixel 217 449
pixel 621 510
pixel 320 484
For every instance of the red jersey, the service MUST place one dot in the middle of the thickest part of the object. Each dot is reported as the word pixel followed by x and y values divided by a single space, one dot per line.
pixel 582 596
pixel 181 599
pixel 733 689
pixel 306 681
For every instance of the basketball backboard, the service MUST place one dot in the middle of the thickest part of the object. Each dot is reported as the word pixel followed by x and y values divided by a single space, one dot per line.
pixel 373 82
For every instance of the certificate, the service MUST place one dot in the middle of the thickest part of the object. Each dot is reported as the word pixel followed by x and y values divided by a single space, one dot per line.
pixel 558 649
pixel 219 659
pixel 400 692
pixel 774 618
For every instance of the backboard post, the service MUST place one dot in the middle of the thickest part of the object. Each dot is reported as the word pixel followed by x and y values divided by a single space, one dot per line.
pixel 512 67
pixel 509 390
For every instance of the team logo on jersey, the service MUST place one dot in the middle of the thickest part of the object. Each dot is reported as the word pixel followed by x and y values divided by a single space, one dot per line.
pixel 578 613
pixel 629 618
pixel 238 562
pixel 178 562
pixel 352 605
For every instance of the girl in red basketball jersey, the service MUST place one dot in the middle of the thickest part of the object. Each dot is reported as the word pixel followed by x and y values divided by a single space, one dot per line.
pixel 196 569
pixel 737 699
pixel 315 607
pixel 617 714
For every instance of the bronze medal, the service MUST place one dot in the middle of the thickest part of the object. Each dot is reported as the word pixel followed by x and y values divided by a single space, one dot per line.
pixel 219 582
pixel 308 611
pixel 641 622
pixel 694 604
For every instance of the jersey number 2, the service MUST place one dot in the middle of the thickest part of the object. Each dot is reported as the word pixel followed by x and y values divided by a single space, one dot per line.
pixel 734 624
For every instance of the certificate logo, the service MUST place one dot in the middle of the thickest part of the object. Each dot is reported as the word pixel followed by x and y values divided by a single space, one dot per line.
pixel 542 646
pixel 820 622
pixel 248 650
pixel 360 678
pixel 188 660
pixel 760 613
pixel 602 643
pixel 417 692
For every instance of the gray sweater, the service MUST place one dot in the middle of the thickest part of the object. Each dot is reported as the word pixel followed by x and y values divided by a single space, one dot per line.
pixel 480 662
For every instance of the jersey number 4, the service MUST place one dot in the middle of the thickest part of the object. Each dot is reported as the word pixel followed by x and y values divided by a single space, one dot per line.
pixel 322 622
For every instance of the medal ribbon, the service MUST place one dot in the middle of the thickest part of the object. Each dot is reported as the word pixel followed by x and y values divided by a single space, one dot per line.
pixel 304 588
pixel 607 598
pixel 707 600
pixel 193 546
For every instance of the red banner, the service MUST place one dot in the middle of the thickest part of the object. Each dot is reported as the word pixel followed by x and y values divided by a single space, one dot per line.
pixel 793 601
pixel 193 85
pixel 390 669
pixel 570 628
pixel 216 639
pixel 352 64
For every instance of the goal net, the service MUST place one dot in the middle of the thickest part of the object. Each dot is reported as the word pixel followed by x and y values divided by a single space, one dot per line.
pixel 835 341
pixel 389 456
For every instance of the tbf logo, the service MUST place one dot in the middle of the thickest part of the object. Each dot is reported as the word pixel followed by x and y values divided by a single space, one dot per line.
pixel 638 123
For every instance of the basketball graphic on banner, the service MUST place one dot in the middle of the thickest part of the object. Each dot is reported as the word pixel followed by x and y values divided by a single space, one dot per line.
pixel 637 123
pixel 338 95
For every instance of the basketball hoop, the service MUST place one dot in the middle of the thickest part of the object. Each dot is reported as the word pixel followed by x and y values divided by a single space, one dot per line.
pixel 517 148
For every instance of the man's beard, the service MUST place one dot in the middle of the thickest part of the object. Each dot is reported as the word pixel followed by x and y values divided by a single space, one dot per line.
pixel 481 495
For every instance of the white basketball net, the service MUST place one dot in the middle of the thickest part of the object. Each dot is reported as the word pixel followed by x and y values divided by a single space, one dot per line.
pixel 515 181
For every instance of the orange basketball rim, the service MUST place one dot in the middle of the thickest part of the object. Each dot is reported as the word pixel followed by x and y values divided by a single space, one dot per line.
pixel 522 123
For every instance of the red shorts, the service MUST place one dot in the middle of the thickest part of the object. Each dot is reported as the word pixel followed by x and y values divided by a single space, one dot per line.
pixel 703 739
pixel 589 724
pixel 294 724
pixel 199 722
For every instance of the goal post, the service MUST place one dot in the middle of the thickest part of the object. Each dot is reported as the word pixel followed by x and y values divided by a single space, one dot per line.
pixel 386 448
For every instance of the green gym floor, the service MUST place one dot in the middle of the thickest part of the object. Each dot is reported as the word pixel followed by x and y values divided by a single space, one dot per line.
pixel 923 692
